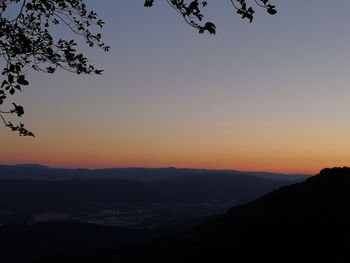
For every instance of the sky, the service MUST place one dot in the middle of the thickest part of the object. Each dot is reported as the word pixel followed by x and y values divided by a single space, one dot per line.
pixel 268 96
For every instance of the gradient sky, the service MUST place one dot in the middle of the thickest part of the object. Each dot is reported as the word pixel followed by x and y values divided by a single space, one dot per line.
pixel 272 95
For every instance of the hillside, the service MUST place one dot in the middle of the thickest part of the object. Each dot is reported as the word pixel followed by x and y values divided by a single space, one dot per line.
pixel 34 243
pixel 305 222
pixel 80 195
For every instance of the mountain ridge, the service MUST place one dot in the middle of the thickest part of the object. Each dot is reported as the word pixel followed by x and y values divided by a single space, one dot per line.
pixel 42 172
pixel 79 194
pixel 303 222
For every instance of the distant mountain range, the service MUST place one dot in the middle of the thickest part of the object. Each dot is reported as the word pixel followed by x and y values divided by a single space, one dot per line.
pixel 78 195
pixel 41 172
pixel 303 222
pixel 30 188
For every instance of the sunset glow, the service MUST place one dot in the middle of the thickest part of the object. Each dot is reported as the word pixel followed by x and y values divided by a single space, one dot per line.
pixel 265 96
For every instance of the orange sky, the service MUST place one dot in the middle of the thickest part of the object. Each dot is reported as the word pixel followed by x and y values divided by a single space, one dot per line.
pixel 259 153
pixel 272 95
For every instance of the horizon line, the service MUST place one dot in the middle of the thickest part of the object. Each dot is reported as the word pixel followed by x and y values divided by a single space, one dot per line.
pixel 156 167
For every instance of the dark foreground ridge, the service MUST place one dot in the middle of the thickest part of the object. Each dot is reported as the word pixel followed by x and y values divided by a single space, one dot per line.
pixel 305 222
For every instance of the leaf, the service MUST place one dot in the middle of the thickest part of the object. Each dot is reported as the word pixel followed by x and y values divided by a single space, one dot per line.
pixel 10 78
pixel 21 80
pixel 272 11
pixel 99 72
pixel 4 83
pixel 18 110
pixel 210 27
pixel 50 70
pixel 149 3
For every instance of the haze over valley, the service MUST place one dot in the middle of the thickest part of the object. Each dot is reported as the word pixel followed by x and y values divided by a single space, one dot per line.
pixel 128 197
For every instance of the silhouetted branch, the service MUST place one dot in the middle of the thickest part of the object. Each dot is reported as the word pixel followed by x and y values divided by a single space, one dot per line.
pixel 191 11
pixel 27 43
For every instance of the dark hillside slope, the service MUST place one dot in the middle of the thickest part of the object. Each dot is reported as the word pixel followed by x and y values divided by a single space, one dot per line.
pixel 200 188
pixel 23 243
pixel 305 222
pixel 9 215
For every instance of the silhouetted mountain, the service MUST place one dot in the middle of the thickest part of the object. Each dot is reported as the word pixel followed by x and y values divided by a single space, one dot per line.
pixel 35 243
pixel 79 195
pixel 76 242
pixel 33 166
pixel 304 222
pixel 8 215
pixel 41 172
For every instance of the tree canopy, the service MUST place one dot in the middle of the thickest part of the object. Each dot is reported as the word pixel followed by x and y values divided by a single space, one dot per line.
pixel 27 41
pixel 192 14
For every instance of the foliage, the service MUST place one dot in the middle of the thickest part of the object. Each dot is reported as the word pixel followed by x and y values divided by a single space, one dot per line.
pixel 191 11
pixel 26 42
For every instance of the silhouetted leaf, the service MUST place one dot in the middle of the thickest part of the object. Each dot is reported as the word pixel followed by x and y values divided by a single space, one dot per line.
pixel 149 3
pixel 271 11
pixel 18 110
pixel 22 81
pixel 210 27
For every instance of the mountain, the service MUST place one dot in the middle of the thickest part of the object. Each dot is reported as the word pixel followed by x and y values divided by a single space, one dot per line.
pixel 9 215
pixel 304 222
pixel 41 172
pixel 35 243
pixel 39 196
